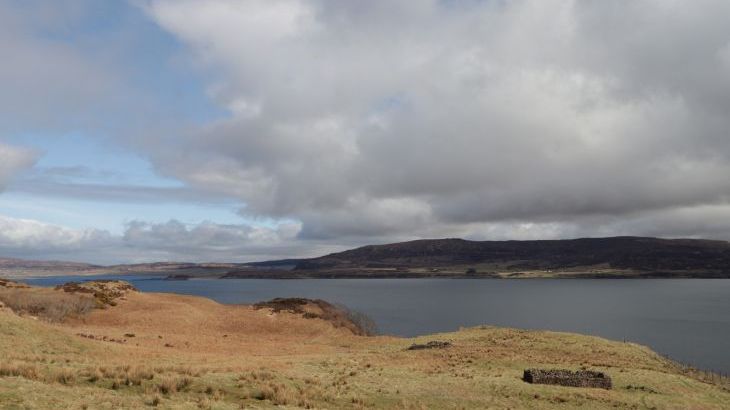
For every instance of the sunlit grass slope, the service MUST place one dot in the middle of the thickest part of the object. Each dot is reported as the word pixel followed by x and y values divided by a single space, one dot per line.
pixel 170 351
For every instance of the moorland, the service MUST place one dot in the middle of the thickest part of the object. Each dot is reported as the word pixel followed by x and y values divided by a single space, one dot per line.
pixel 106 345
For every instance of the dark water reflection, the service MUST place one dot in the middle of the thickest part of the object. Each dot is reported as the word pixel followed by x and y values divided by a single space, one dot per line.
pixel 686 319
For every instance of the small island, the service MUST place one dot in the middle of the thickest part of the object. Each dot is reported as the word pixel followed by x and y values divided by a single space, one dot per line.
pixel 178 277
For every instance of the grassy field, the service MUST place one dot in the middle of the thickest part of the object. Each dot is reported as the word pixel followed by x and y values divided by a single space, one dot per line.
pixel 171 351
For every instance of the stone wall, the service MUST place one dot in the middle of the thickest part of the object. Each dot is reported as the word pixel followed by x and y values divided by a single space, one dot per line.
pixel 581 378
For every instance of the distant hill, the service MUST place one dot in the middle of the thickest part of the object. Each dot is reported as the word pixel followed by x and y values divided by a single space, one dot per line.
pixel 623 256
pixel 23 265
pixel 21 268
pixel 616 253
pixel 18 268
pixel 13 263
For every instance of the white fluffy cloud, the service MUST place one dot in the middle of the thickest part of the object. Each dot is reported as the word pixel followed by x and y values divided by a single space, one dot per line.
pixel 26 237
pixel 150 242
pixel 208 241
pixel 386 119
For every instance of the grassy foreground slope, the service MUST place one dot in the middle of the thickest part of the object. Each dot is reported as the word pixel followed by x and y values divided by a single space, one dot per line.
pixel 171 351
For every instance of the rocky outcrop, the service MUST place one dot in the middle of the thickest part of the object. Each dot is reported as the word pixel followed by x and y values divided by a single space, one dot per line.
pixel 339 316
pixel 10 284
pixel 105 292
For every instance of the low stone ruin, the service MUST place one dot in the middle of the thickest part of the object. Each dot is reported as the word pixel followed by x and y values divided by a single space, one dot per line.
pixel 560 377
pixel 102 338
pixel 434 344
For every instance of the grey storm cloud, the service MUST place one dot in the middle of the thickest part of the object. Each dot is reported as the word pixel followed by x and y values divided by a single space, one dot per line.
pixel 409 118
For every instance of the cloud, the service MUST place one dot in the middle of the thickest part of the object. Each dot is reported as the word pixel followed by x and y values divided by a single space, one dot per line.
pixel 89 67
pixel 207 241
pixel 348 123
pixel 12 161
pixel 47 83
pixel 207 238
pixel 116 193
pixel 30 238
pixel 391 119
pixel 149 242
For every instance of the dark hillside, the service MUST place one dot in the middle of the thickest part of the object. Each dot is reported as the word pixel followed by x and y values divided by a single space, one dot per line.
pixel 637 253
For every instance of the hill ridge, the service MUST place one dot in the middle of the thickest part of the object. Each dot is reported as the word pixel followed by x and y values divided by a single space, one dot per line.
pixel 622 252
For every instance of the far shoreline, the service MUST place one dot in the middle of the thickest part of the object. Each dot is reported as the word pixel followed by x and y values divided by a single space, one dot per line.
pixel 158 276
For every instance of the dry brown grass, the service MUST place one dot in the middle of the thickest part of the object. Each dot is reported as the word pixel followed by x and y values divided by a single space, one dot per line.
pixel 26 371
pixel 46 374
pixel 66 301
pixel 45 303
pixel 271 359
pixel 169 385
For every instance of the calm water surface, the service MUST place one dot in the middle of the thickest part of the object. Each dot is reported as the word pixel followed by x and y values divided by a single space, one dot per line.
pixel 686 319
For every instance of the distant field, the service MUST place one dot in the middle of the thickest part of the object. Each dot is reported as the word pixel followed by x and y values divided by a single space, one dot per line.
pixel 171 351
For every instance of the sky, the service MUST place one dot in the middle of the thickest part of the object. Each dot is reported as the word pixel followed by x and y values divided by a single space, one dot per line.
pixel 246 130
